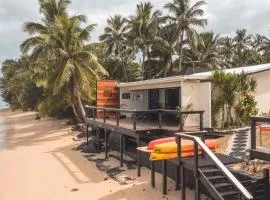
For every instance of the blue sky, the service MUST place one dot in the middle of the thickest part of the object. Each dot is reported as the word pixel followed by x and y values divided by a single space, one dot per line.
pixel 224 17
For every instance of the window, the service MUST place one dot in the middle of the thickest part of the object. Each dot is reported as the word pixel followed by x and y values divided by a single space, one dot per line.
pixel 125 95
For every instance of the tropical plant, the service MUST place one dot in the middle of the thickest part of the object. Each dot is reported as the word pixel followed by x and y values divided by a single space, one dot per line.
pixel 202 51
pixel 233 92
pixel 183 117
pixel 185 17
pixel 115 35
pixel 143 28
pixel 62 59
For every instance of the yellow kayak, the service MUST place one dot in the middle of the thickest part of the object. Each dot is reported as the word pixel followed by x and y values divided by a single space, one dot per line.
pixel 167 156
pixel 186 146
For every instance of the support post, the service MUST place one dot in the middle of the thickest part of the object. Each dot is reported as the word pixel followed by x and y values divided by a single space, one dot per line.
pixel 196 172
pixel 138 156
pixel 117 117
pixel 104 115
pixel 134 120
pixel 266 183
pixel 253 133
pixel 164 177
pixel 201 121
pixel 178 181
pixel 183 188
pixel 99 140
pixel 121 149
pixel 87 135
pixel 94 113
pixel 106 143
pixel 153 170
pixel 177 174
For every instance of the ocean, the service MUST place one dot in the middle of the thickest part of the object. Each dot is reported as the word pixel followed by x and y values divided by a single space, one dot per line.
pixel 2 105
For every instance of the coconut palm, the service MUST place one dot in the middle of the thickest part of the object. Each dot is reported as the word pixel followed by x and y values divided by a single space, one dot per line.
pixel 53 8
pixel 203 49
pixel 185 17
pixel 163 49
pixel 242 40
pixel 144 27
pixel 227 51
pixel 62 60
pixel 114 34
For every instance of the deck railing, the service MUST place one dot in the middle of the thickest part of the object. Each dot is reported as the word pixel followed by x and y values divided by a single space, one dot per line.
pixel 198 142
pixel 257 153
pixel 93 110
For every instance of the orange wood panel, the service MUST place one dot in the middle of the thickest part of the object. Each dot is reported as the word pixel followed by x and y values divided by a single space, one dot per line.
pixel 107 96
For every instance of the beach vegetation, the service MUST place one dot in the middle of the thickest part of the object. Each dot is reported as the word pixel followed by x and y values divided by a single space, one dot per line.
pixel 59 65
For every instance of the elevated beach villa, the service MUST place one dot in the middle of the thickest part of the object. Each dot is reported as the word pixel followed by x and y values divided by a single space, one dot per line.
pixel 143 116
pixel 195 89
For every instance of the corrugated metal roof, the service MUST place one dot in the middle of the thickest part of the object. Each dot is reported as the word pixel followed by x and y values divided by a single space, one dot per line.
pixel 247 70
pixel 198 76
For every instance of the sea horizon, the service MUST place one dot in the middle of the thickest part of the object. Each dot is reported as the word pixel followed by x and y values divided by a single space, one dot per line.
pixel 2 132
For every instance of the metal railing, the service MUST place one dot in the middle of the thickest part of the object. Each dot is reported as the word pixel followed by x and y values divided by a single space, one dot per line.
pixel 136 113
pixel 198 142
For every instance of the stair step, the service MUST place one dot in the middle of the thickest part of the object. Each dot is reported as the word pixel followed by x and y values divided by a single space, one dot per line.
pixel 229 193
pixel 220 185
pixel 211 170
pixel 212 178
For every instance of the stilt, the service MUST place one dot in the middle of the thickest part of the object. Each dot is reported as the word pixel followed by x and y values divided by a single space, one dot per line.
pixel 164 177
pixel 121 150
pixel 153 170
pixel 106 143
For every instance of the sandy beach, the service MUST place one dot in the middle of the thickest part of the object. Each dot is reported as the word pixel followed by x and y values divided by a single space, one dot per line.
pixel 39 161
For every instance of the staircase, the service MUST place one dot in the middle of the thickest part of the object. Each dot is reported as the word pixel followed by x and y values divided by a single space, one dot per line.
pixel 220 187
pixel 218 180
pixel 217 184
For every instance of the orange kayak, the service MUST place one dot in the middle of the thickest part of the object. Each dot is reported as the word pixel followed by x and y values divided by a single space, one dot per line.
pixel 153 143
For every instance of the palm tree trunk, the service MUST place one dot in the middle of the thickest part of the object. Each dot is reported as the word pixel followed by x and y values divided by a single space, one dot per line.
pixel 167 64
pixel 143 65
pixel 75 112
pixel 149 60
pixel 125 72
pixel 181 51
pixel 81 105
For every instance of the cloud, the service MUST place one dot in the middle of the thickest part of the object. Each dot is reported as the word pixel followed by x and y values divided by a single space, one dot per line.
pixel 224 17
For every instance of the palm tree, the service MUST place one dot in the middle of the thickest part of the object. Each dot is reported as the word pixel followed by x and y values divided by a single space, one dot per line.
pixel 61 58
pixel 51 9
pixel 114 34
pixel 185 17
pixel 144 27
pixel 227 51
pixel 163 49
pixel 202 51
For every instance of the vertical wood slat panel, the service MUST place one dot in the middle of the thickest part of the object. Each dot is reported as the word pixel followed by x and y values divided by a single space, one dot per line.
pixel 107 96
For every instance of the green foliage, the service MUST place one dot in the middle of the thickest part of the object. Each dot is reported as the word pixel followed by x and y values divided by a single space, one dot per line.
pixel 183 117
pixel 233 92
pixel 59 64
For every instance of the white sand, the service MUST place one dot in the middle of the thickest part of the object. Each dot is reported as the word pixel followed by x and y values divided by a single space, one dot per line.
pixel 38 163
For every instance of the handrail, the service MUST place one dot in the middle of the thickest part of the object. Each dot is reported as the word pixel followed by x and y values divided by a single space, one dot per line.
pixel 154 110
pixel 218 163
pixel 135 112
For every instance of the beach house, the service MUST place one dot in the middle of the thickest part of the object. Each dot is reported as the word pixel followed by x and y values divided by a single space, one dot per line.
pixel 195 89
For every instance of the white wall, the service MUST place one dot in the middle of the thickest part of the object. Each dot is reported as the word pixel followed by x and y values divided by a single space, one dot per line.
pixel 133 103
pixel 199 95
pixel 262 94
